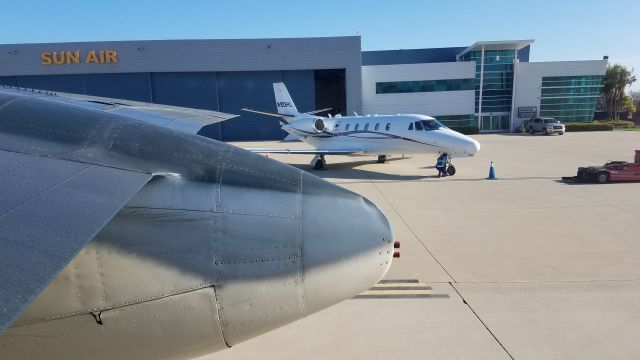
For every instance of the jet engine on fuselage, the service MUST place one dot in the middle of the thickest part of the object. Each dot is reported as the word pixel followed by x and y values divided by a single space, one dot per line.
pixel 310 125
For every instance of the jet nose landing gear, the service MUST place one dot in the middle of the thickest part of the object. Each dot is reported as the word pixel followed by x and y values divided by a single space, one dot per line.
pixel 451 170
pixel 444 166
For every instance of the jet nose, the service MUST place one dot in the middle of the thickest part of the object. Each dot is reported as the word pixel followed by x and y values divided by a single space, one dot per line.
pixel 472 146
pixel 348 244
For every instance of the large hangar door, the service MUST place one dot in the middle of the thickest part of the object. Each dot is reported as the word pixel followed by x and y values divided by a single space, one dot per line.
pixel 331 90
pixel 189 89
pixel 254 89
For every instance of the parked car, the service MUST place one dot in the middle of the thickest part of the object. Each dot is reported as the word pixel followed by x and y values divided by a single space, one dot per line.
pixel 545 125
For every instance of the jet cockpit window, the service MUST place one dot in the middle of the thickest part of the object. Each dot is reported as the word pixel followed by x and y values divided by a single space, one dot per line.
pixel 366 127
pixel 357 127
pixel 411 126
pixel 431 124
pixel 346 128
pixel 388 127
pixel 419 126
pixel 377 127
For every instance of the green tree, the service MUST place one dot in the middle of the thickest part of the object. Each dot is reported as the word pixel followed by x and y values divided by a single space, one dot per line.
pixel 628 105
pixel 615 81
pixel 635 97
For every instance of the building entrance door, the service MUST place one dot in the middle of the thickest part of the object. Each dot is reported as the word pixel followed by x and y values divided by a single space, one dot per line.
pixel 492 122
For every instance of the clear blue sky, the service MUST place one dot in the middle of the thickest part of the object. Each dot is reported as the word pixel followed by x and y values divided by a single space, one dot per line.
pixel 563 30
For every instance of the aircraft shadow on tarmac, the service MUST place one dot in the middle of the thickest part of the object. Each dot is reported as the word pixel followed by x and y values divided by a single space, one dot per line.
pixel 348 171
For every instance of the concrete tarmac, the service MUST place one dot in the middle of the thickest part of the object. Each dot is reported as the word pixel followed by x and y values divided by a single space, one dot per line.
pixel 523 267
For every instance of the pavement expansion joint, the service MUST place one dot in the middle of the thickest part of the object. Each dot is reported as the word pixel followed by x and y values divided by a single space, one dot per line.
pixel 482 321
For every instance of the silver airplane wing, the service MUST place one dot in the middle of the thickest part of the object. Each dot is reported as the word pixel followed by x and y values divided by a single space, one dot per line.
pixel 50 209
pixel 178 118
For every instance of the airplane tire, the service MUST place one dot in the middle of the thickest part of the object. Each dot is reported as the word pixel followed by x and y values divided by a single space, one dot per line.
pixel 382 159
pixel 320 164
pixel 531 130
pixel 451 170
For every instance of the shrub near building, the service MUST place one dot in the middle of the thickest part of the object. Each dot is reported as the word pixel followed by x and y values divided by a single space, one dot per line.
pixel 620 124
pixel 588 126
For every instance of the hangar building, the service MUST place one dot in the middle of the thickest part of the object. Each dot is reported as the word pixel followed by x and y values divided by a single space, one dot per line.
pixel 490 84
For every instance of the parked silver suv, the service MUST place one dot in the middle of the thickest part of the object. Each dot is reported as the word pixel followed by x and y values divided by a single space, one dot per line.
pixel 545 125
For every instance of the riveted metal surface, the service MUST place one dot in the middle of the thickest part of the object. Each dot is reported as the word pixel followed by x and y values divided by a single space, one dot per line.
pixel 263 242
pixel 176 327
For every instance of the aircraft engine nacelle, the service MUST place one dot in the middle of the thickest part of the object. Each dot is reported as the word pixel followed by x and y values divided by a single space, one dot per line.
pixel 192 266
pixel 310 125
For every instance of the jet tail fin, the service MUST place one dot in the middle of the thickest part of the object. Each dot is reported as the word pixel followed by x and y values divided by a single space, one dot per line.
pixel 284 103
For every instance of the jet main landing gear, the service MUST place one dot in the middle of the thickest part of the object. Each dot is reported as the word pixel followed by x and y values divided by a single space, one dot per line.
pixel 382 159
pixel 319 163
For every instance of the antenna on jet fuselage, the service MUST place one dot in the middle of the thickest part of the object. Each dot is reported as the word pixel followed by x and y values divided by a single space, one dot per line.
pixel 355 113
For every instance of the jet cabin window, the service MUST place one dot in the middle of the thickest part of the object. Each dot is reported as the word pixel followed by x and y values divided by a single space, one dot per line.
pixel 366 127
pixel 346 128
pixel 388 127
pixel 377 127
pixel 357 127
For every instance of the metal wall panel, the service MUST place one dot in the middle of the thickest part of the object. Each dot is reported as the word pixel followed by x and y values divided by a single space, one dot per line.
pixel 197 90
pixel 523 54
pixel 189 89
pixel 63 83
pixel 228 92
pixel 428 103
pixel 132 86
pixel 255 90
pixel 301 88
pixel 189 55
pixel 233 55
pixel 411 56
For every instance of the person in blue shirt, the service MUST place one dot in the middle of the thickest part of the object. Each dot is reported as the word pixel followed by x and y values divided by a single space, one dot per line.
pixel 441 164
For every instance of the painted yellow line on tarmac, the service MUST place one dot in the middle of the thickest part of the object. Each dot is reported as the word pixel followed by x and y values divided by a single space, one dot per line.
pixel 399 284
pixel 399 289
pixel 397 292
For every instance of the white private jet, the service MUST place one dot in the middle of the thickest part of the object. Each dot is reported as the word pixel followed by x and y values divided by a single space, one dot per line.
pixel 380 135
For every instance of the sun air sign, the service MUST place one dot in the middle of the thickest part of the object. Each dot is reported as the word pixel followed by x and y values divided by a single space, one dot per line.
pixel 68 57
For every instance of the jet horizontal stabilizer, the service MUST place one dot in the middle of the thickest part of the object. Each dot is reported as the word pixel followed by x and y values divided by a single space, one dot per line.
pixel 318 111
pixel 286 118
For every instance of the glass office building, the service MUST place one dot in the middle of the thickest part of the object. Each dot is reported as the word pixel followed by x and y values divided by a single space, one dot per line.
pixel 570 98
pixel 497 91
pixel 495 62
